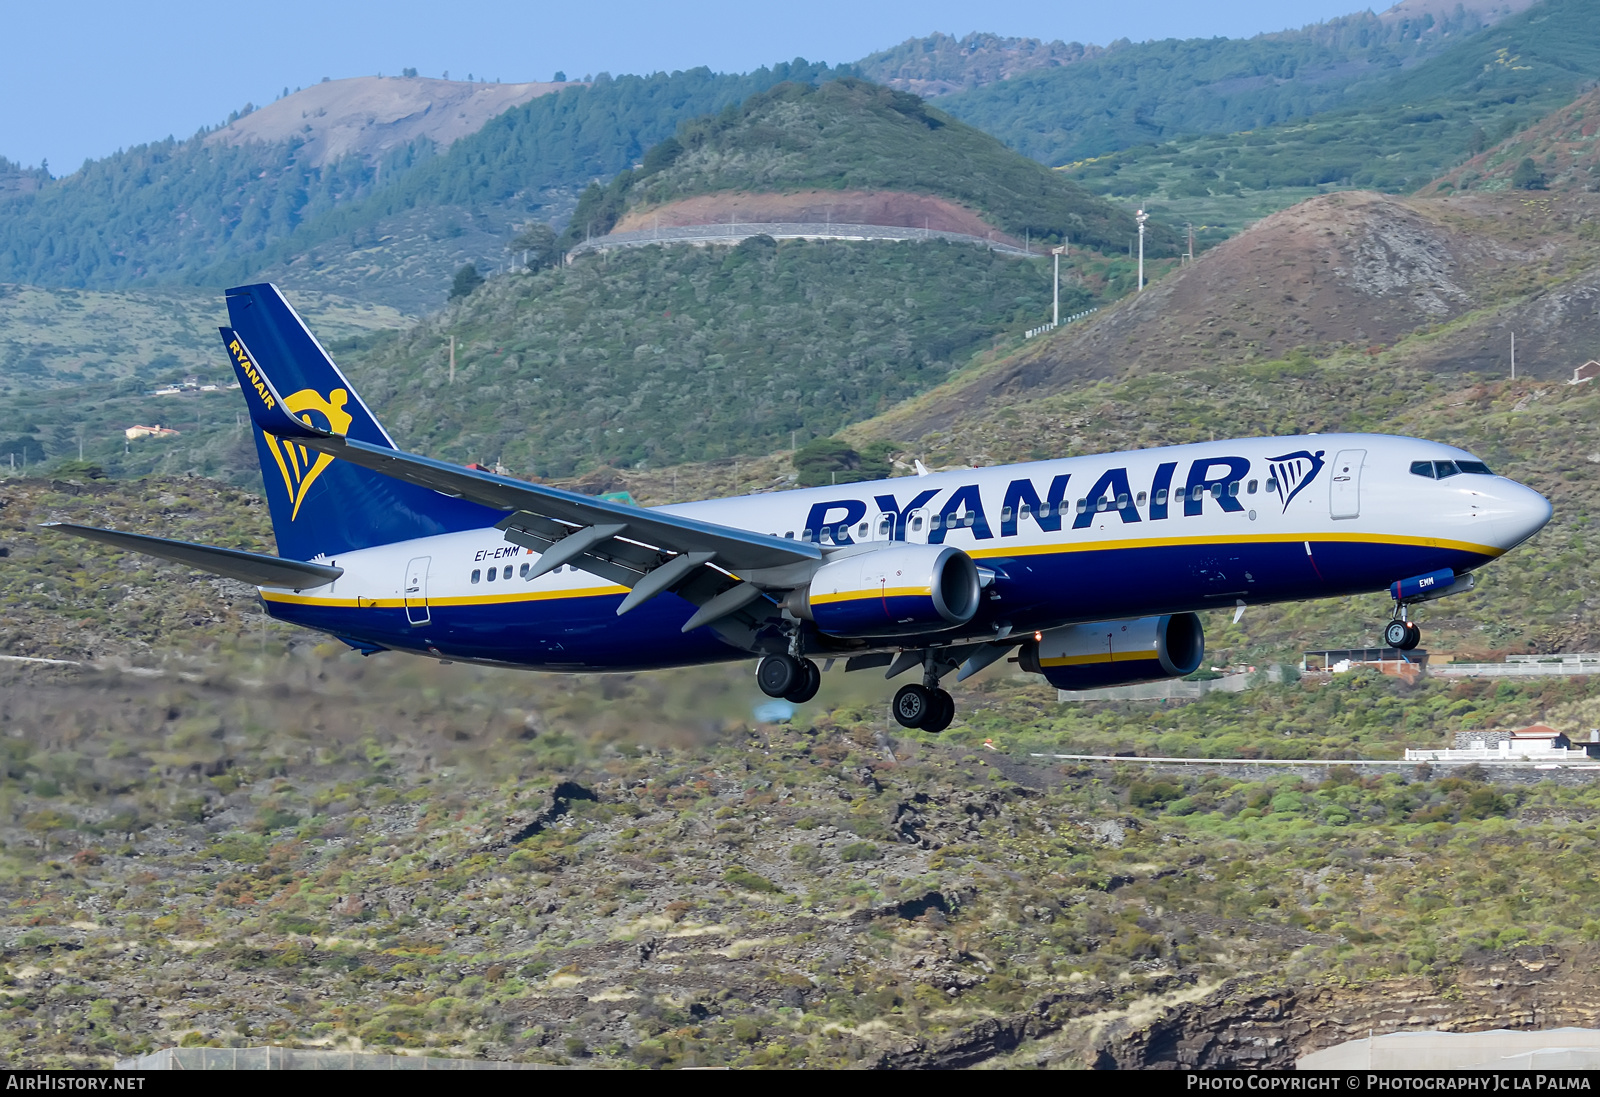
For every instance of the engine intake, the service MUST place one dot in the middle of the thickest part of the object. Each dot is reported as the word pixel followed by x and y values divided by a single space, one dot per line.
pixel 1117 653
pixel 891 591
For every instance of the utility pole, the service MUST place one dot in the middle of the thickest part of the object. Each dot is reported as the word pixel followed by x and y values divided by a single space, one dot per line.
pixel 1055 308
pixel 452 359
pixel 1513 356
pixel 1190 226
pixel 1141 218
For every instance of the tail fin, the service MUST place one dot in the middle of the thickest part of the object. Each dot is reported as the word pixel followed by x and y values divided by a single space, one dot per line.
pixel 321 506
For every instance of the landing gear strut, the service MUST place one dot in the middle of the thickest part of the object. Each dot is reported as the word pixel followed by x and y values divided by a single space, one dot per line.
pixel 790 677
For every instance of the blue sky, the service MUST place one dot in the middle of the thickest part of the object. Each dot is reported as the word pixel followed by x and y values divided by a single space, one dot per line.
pixel 83 78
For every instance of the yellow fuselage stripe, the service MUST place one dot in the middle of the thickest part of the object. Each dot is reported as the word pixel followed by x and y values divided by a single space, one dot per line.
pixel 1098 657
pixel 980 553
pixel 1236 539
pixel 863 595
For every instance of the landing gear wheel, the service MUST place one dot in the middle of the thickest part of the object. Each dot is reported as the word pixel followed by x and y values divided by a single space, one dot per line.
pixel 912 705
pixel 940 713
pixel 1396 633
pixel 810 682
pixel 779 675
pixel 1413 637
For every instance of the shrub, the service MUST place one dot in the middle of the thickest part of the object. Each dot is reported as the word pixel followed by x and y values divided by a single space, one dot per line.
pixel 860 851
pixel 739 876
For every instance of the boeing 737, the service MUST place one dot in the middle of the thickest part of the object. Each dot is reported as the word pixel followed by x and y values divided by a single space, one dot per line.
pixel 1089 571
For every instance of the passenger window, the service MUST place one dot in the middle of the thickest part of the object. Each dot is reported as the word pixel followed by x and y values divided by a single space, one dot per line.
pixel 1044 510
pixel 1122 502
pixel 790 535
pixel 1442 469
pixel 1422 468
pixel 827 535
pixel 806 536
pixel 1161 497
pixel 492 573
pixel 1139 502
pixel 1024 511
pixel 1272 484
pixel 1005 514
pixel 476 575
pixel 862 531
pixel 1083 506
pixel 1252 488
pixel 1233 489
pixel 1101 504
pixel 885 523
pixel 951 521
pixel 523 571
pixel 1199 493
pixel 971 518
pixel 1477 467
pixel 933 522
pixel 916 523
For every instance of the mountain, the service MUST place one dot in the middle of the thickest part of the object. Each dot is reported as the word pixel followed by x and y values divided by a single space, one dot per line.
pixel 207 211
pixel 1155 91
pixel 848 135
pixel 370 117
pixel 941 63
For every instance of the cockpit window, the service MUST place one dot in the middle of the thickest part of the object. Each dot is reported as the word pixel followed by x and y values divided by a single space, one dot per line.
pixel 1440 470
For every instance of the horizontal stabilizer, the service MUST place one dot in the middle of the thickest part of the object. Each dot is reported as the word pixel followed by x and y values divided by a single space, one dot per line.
pixel 250 567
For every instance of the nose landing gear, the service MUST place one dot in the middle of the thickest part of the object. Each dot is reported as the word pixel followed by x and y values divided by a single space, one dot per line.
pixel 1402 633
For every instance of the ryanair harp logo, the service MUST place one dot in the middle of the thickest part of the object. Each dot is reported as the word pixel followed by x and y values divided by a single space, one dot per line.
pixel 1294 472
pixel 299 466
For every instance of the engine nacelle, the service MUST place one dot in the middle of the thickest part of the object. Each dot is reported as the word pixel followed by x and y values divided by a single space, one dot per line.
pixel 892 591
pixel 1117 653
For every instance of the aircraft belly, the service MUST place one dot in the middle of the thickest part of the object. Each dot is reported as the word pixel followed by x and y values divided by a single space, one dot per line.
pixel 566 633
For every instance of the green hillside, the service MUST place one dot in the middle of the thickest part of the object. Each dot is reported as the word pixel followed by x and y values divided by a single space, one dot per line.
pixel 209 214
pixel 1406 131
pixel 1150 92
pixel 650 356
pixel 852 135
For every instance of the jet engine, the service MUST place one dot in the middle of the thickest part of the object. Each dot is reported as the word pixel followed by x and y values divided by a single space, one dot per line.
pixel 891 591
pixel 1117 653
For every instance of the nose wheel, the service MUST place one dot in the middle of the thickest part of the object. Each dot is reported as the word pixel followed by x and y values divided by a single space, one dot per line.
pixel 1402 635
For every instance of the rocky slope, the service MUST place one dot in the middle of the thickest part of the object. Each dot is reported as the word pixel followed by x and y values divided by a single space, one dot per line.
pixel 1355 271
pixel 1563 148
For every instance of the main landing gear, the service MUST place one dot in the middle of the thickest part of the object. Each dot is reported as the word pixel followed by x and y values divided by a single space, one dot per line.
pixel 790 677
pixel 1401 634
pixel 924 707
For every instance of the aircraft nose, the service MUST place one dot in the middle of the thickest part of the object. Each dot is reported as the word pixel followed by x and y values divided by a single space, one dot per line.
pixel 1523 512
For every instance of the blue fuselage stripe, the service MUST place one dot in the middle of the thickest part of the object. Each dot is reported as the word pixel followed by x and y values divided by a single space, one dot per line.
pixel 1035 591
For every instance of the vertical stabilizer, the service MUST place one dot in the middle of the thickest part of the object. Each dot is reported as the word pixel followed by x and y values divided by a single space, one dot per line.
pixel 321 506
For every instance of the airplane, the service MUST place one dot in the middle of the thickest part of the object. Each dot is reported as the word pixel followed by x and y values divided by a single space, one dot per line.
pixel 1090 571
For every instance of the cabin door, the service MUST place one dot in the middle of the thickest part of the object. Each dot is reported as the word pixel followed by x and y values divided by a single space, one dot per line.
pixel 1344 499
pixel 416 591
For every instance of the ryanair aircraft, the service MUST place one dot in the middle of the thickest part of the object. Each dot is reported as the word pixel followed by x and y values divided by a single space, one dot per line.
pixel 1086 570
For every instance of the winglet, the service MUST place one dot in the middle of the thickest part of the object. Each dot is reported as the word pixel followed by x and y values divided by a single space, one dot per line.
pixel 267 409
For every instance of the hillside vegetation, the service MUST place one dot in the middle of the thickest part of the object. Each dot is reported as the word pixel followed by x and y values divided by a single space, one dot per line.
pixel 211 214
pixel 1151 92
pixel 1397 135
pixel 851 135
